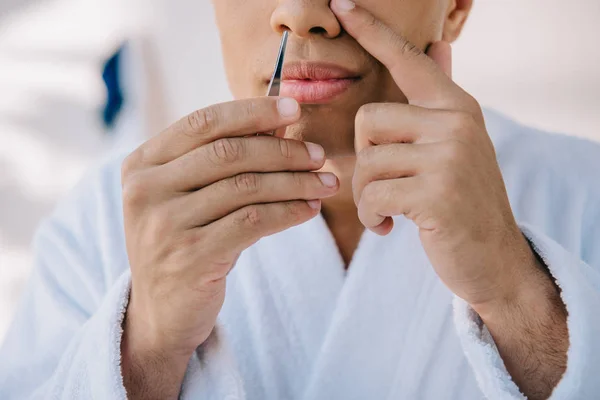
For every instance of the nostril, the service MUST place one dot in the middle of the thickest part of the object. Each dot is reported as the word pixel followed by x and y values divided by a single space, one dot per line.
pixel 318 30
pixel 284 28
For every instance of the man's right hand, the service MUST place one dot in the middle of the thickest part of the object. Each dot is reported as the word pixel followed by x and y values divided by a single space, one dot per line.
pixel 195 197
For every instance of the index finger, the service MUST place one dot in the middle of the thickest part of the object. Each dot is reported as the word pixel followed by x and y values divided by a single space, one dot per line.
pixel 417 75
pixel 231 119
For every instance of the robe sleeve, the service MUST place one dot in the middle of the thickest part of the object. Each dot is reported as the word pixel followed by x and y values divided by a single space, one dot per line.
pixel 65 340
pixel 580 291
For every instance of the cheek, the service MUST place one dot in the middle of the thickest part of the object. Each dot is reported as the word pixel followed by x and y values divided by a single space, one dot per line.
pixel 228 13
pixel 238 22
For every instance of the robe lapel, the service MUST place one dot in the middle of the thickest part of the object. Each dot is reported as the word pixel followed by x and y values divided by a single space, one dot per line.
pixel 385 308
pixel 374 332
pixel 305 272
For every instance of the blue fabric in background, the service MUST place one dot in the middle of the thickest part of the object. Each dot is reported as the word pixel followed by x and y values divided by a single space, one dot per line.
pixel 112 80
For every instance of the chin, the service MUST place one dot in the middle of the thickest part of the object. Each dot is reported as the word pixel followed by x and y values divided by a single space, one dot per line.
pixel 334 132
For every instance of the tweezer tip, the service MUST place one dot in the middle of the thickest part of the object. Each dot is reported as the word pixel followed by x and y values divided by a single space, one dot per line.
pixel 282 48
pixel 284 38
pixel 274 85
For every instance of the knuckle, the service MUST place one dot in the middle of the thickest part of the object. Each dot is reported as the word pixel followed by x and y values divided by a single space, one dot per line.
pixel 371 194
pixel 251 216
pixel 454 152
pixel 463 122
pixel 407 48
pixel 203 121
pixel 133 162
pixel 285 148
pixel 372 22
pixel 248 183
pixel 160 226
pixel 136 190
pixel 364 117
pixel 473 105
pixel 298 179
pixel 293 211
pixel 364 157
pixel 369 23
pixel 226 150
pixel 252 111
pixel 361 158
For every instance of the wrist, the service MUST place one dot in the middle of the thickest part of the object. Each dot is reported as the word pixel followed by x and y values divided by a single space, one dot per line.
pixel 142 348
pixel 528 288
pixel 150 369
pixel 146 338
pixel 528 325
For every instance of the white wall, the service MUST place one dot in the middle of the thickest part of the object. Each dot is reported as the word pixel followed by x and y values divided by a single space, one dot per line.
pixel 536 60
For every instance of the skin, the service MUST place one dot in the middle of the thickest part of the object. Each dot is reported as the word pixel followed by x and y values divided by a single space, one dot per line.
pixel 402 138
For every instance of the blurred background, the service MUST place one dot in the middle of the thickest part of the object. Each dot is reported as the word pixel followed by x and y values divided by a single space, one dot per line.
pixel 536 60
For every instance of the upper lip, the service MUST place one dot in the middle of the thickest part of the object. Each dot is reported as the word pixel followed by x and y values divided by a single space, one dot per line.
pixel 316 71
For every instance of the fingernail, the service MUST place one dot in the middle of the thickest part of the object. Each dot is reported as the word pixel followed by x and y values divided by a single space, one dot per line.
pixel 328 179
pixel 314 204
pixel 345 5
pixel 287 107
pixel 315 151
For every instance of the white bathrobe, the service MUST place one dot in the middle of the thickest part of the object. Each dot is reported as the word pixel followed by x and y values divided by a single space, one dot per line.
pixel 295 325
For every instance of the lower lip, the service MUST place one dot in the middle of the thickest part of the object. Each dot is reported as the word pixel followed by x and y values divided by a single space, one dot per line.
pixel 315 92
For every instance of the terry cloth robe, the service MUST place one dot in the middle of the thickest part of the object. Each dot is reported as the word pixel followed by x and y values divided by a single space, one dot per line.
pixel 295 324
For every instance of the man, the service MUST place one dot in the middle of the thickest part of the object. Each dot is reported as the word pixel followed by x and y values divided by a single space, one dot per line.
pixel 317 306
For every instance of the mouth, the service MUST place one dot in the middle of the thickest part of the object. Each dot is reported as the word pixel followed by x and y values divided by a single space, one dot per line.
pixel 316 83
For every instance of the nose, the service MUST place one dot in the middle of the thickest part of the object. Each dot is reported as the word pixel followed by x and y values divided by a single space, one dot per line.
pixel 305 18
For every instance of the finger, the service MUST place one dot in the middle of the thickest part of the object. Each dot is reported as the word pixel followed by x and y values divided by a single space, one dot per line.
pixel 417 75
pixel 381 123
pixel 235 118
pixel 233 156
pixel 391 161
pixel 381 200
pixel 241 229
pixel 441 53
pixel 229 195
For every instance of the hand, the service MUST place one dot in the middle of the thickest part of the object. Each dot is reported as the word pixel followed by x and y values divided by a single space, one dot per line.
pixel 432 161
pixel 195 197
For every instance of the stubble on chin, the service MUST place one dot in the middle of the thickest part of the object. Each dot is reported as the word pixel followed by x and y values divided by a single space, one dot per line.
pixel 334 132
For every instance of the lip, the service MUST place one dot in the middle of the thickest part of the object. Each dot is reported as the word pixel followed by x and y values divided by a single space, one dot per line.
pixel 316 83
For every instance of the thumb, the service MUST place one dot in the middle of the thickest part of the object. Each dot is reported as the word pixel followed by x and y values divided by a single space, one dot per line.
pixel 441 53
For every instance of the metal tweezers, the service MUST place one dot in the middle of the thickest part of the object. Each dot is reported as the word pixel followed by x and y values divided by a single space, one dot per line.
pixel 275 84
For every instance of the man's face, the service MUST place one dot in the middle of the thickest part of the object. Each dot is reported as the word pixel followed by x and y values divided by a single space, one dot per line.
pixel 326 69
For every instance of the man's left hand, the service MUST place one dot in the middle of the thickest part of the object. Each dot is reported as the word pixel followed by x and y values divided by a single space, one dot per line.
pixel 432 161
